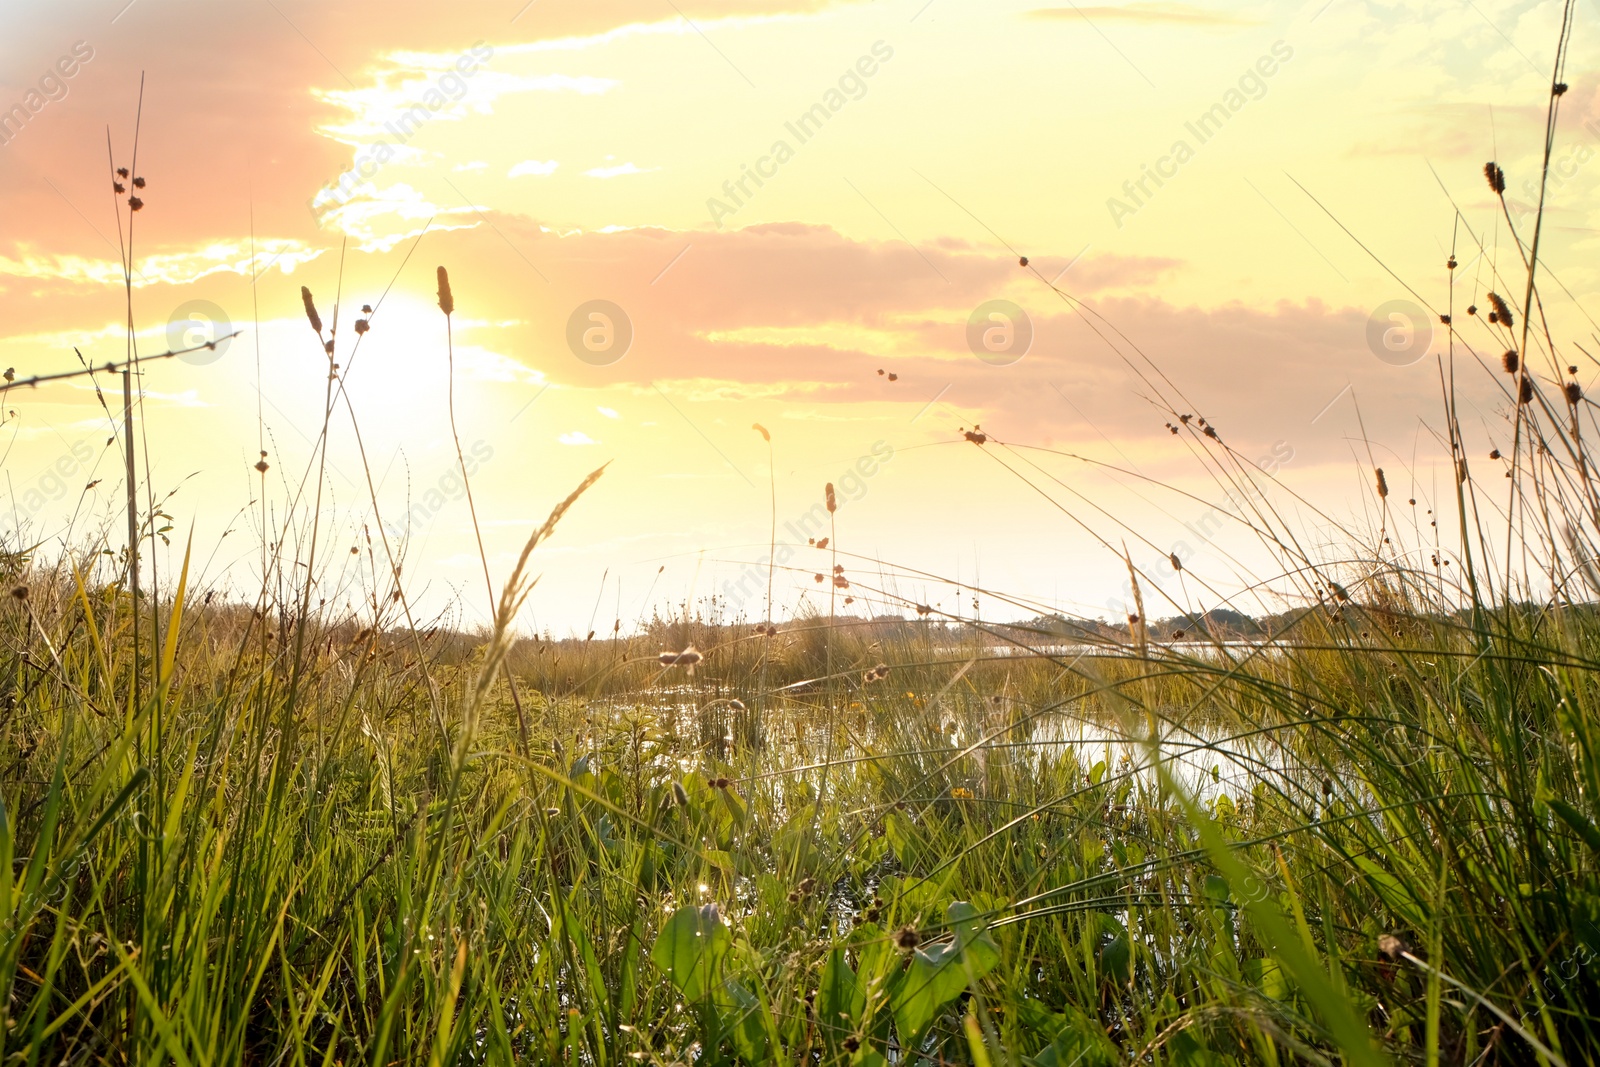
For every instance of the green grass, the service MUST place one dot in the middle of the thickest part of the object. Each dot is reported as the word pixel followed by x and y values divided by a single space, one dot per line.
pixel 268 833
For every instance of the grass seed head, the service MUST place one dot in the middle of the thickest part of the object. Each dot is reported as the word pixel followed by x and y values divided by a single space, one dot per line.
pixel 833 501
pixel 1502 310
pixel 447 300
pixel 1495 176
pixel 1509 361
pixel 1574 392
pixel 311 310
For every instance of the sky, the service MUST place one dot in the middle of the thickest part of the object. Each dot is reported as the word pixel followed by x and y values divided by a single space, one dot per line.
pixel 669 221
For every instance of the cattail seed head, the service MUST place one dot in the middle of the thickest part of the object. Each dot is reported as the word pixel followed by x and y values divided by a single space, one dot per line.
pixel 311 310
pixel 1501 309
pixel 447 300
pixel 833 501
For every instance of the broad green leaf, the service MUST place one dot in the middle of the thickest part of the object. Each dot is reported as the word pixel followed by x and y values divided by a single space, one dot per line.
pixel 690 947
pixel 939 972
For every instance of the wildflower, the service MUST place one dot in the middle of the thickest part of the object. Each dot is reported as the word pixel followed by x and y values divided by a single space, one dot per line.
pixel 447 300
pixel 311 310
pixel 1509 361
pixel 851 1043
pixel 960 794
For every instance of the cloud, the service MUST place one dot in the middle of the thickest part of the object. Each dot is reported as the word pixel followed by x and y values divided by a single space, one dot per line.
pixel 533 166
pixel 1148 14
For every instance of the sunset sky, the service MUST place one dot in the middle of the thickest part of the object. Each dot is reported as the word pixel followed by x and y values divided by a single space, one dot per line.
pixel 906 153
